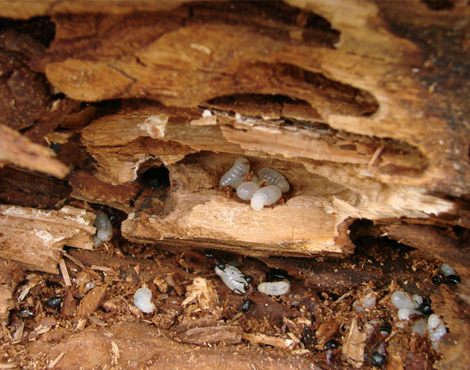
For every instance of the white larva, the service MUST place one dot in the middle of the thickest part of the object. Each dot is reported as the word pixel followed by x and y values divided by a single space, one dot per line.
pixel 436 329
pixel 104 235
pixel 102 220
pixel 404 314
pixel 246 190
pixel 275 288
pixel 104 228
pixel 403 300
pixel 274 178
pixel 142 300
pixel 265 196
pixel 233 278
pixel 237 172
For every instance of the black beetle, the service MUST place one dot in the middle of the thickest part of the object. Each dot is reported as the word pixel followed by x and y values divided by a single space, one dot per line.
pixel 329 347
pixel 54 302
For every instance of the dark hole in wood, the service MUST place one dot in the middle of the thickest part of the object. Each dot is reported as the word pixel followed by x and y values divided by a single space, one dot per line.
pixel 439 4
pixel 157 177
pixel 39 28
pixel 271 18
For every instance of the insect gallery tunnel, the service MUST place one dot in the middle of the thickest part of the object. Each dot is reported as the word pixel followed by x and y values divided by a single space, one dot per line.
pixel 234 184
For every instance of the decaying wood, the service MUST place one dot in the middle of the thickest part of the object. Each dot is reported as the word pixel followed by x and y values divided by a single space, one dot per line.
pixel 354 133
pixel 90 189
pixel 301 226
pixel 91 301
pixel 148 346
pixel 272 341
pixel 207 332
pixel 363 107
pixel 442 245
pixel 22 188
pixel 11 274
pixel 35 238
pixel 454 307
pixel 19 150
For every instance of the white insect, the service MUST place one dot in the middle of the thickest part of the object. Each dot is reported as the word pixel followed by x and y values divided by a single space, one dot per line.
pixel 447 270
pixel 275 288
pixel 104 228
pixel 236 174
pixel 403 300
pixel 142 300
pixel 274 178
pixel 265 196
pixel 246 190
pixel 233 278
pixel 436 329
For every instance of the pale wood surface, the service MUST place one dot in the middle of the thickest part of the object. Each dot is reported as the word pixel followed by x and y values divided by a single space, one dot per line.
pixel 35 237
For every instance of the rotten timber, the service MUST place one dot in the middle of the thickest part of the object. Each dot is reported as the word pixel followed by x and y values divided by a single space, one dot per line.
pixel 35 238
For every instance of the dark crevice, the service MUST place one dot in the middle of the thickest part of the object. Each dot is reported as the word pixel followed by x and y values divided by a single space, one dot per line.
pixel 294 115
pixel 39 28
pixel 271 18
pixel 155 177
pixel 439 4
pixel 353 101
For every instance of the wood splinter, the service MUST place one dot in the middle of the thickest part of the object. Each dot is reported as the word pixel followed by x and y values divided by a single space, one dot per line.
pixel 271 341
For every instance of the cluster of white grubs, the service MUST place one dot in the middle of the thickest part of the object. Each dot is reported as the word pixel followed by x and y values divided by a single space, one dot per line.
pixel 104 228
pixel 409 307
pixel 263 190
pixel 255 189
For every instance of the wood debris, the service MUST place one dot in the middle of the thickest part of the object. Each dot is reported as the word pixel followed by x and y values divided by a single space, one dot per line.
pixel 91 301
pixel 202 293
pixel 35 237
pixel 269 340
pixel 205 332
pixel 353 348
pixel 19 150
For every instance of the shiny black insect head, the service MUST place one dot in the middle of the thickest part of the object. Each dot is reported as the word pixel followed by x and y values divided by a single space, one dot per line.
pixel 276 275
pixel 385 329
pixel 331 344
pixel 249 279
pixel 247 305
pixel 54 302
pixel 425 308
pixel 208 253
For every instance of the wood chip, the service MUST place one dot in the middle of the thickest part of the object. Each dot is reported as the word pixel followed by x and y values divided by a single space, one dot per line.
pixel 115 352
pixel 65 273
pixel 202 292
pixel 19 332
pixel 204 332
pixel 272 341
pixel 81 325
pixel 58 358
pixel 91 301
pixel 8 366
pixel 97 321
pixel 353 349
pixel 109 270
